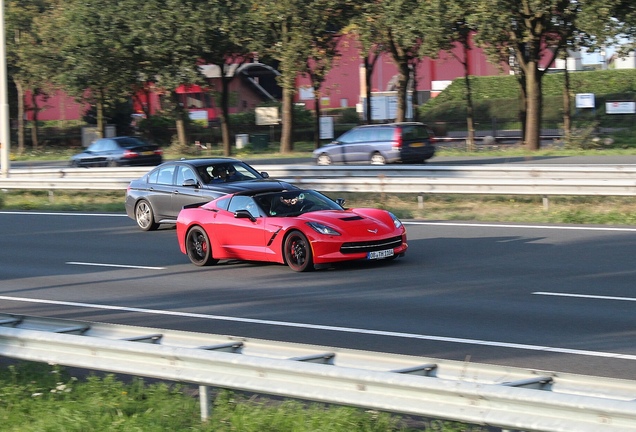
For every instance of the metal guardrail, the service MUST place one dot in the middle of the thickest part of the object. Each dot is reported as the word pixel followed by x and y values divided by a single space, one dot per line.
pixel 602 180
pixel 505 397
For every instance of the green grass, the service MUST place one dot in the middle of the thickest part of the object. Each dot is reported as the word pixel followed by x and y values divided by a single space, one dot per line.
pixel 36 397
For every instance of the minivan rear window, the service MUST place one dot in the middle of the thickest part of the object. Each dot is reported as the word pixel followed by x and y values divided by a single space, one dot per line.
pixel 415 132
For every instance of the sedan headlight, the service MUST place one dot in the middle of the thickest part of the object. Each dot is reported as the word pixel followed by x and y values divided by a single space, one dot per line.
pixel 323 229
pixel 396 221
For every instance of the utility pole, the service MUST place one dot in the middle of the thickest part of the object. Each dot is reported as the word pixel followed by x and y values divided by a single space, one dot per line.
pixel 5 132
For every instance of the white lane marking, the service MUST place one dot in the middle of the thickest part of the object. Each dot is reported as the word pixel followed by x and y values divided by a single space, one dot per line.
pixel 332 328
pixel 114 265
pixel 62 214
pixel 552 227
pixel 588 296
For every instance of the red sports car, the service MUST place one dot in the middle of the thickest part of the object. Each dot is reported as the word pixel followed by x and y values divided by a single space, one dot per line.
pixel 301 228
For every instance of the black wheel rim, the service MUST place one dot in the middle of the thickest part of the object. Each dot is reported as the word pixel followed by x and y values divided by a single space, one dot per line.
pixel 297 252
pixel 198 246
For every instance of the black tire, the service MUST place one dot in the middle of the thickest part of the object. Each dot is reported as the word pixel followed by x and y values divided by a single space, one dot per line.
pixel 199 248
pixel 145 216
pixel 112 163
pixel 297 252
pixel 377 159
pixel 323 159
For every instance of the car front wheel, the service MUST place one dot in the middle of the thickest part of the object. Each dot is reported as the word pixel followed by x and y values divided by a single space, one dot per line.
pixel 323 159
pixel 297 251
pixel 145 217
pixel 199 248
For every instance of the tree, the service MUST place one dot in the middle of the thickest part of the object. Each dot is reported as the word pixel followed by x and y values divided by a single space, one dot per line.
pixel 405 31
pixel 287 31
pixel 98 65
pixel 454 31
pixel 24 52
pixel 533 33
pixel 366 26
pixel 225 44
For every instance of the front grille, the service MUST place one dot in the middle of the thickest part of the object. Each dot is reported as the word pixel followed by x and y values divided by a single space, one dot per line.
pixel 371 246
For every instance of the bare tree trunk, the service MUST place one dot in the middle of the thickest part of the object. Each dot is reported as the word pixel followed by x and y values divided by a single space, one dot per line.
pixel 402 85
pixel 533 113
pixel 35 142
pixel 567 108
pixel 470 115
pixel 286 139
pixel 368 72
pixel 99 107
pixel 317 120
pixel 20 89
pixel 225 115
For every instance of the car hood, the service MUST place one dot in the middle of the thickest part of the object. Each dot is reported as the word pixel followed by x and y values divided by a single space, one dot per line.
pixel 357 224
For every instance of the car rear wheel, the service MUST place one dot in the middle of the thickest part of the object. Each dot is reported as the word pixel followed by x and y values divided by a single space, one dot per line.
pixel 377 159
pixel 323 159
pixel 199 248
pixel 145 217
pixel 297 251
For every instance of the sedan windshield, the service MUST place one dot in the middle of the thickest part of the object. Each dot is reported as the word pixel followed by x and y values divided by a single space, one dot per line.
pixel 294 203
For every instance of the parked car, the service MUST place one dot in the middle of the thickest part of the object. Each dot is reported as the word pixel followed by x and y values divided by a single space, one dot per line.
pixel 157 197
pixel 300 228
pixel 119 151
pixel 379 144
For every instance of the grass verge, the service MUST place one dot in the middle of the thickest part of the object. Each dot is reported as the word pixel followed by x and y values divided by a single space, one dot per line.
pixel 36 397
pixel 484 208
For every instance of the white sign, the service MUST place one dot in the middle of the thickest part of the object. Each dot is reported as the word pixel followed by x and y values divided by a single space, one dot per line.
pixel 326 127
pixel 266 116
pixel 620 107
pixel 585 100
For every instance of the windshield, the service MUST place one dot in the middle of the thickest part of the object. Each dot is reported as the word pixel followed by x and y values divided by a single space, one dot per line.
pixel 294 203
pixel 226 172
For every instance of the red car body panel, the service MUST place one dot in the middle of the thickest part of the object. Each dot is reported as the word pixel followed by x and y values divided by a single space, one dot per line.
pixel 262 238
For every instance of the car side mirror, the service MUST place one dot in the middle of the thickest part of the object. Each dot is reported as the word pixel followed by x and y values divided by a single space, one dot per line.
pixel 340 202
pixel 265 174
pixel 190 183
pixel 244 214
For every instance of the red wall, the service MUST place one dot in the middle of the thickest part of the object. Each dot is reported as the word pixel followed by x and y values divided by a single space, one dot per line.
pixel 341 88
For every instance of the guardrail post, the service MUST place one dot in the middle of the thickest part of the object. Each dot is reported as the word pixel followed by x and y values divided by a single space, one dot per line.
pixel 420 201
pixel 546 203
pixel 204 400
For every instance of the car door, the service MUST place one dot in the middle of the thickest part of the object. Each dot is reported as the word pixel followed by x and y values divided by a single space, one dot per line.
pixel 241 237
pixel 187 189
pixel 160 189
pixel 350 146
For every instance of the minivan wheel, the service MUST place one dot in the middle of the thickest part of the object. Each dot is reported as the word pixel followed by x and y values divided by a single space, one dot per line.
pixel 323 159
pixel 377 159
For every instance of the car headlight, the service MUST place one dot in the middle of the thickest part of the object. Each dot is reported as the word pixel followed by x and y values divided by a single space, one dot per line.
pixel 323 229
pixel 396 221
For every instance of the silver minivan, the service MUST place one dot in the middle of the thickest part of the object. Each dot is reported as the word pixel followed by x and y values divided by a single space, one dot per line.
pixel 379 144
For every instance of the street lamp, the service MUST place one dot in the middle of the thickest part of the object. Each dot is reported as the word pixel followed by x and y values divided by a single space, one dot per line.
pixel 5 133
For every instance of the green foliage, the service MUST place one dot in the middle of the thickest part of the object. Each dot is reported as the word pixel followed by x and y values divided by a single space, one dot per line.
pixel 35 397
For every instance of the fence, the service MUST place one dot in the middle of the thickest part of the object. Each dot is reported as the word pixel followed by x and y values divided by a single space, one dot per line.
pixel 505 397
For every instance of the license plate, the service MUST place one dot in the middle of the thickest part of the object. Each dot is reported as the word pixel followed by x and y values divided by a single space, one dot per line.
pixel 418 144
pixel 147 153
pixel 380 254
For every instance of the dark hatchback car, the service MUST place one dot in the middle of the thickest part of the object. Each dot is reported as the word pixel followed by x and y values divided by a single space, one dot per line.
pixel 157 197
pixel 119 151
pixel 379 144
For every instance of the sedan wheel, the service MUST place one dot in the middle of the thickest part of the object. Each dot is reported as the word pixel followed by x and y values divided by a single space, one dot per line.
pixel 198 247
pixel 297 250
pixel 323 159
pixel 377 159
pixel 145 217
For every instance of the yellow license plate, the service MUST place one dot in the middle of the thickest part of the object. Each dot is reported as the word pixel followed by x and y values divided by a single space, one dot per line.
pixel 417 145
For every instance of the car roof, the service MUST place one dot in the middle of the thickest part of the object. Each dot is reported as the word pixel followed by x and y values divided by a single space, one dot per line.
pixel 394 124
pixel 205 161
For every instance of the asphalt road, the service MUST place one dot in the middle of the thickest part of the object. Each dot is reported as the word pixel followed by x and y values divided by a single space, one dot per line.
pixel 543 297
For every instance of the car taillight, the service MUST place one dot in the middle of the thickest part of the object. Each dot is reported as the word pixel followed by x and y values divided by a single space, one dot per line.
pixel 158 152
pixel 397 139
pixel 432 139
pixel 129 154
